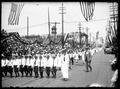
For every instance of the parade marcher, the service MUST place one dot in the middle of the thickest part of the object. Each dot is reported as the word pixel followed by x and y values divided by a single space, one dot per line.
pixel 21 66
pixel 32 63
pixel 70 61
pixel 10 67
pixel 18 64
pixel 48 66
pixel 88 60
pixel 59 61
pixel 36 64
pixel 83 56
pixel 41 67
pixel 64 68
pixel 6 66
pixel 15 63
pixel 72 58
pixel 54 69
pixel 3 67
pixel 25 67
pixel 29 66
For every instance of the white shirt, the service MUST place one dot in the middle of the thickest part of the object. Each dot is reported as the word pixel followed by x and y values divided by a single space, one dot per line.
pixel 50 62
pixel 55 62
pixel 14 62
pixel 42 62
pixel 3 63
pixel 10 63
pixel 6 62
pixel 23 61
pixel 18 61
pixel 27 61
pixel 83 56
pixel 37 61
pixel 58 60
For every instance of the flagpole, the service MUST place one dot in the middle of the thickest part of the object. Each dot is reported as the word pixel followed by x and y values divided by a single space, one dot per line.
pixel 27 26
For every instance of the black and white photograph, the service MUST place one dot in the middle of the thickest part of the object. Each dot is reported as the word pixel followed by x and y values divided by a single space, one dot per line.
pixel 59 44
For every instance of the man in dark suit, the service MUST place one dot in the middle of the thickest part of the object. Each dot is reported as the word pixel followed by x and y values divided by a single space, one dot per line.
pixel 88 60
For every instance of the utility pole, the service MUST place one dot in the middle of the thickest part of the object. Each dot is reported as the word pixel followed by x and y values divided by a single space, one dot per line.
pixel 27 26
pixel 62 12
pixel 79 34
pixel 49 24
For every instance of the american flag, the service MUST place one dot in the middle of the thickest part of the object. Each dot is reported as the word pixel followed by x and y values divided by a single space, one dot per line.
pixel 15 11
pixel 87 9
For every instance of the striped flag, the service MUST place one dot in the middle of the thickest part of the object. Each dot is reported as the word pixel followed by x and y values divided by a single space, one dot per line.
pixel 15 11
pixel 87 9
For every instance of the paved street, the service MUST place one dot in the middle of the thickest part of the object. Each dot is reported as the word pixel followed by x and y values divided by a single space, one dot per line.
pixel 77 76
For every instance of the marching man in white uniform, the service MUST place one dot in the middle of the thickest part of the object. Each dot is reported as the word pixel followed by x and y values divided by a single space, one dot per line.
pixel 59 58
pixel 41 67
pixel 48 65
pixel 65 66
pixel 23 64
pixel 10 67
pixel 36 65
pixel 3 67
pixel 83 56
pixel 54 69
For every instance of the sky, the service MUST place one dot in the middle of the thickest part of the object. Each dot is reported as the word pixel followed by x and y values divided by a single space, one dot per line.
pixel 38 18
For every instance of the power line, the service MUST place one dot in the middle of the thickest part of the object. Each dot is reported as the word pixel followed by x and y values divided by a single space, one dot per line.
pixel 86 22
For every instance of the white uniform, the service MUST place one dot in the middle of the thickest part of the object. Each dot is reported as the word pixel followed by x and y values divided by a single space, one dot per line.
pixel 55 62
pixel 10 63
pixel 32 62
pixel 27 61
pixel 65 65
pixel 83 56
pixel 6 62
pixel 18 62
pixel 42 62
pixel 14 62
pixel 3 63
pixel 37 62
pixel 45 61
pixel 50 62
pixel 59 58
